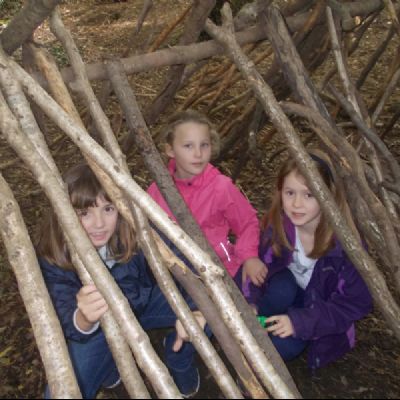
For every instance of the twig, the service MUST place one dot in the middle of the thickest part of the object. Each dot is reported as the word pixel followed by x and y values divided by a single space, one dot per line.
pixel 147 6
pixel 369 133
pixel 169 28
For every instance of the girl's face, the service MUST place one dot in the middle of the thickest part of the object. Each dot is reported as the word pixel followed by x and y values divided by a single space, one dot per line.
pixel 99 222
pixel 299 204
pixel 191 149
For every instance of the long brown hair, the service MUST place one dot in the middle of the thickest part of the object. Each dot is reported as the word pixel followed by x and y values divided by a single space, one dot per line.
pixel 324 235
pixel 83 189
pixel 198 118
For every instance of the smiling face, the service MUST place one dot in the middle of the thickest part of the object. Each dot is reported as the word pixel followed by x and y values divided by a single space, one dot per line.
pixel 99 222
pixel 191 148
pixel 299 204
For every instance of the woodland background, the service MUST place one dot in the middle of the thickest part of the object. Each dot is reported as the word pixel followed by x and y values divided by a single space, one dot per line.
pixel 102 30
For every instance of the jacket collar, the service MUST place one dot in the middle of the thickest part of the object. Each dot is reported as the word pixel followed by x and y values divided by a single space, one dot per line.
pixel 335 251
pixel 197 181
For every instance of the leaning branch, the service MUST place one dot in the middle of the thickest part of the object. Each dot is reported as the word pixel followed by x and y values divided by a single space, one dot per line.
pixel 25 22
pixel 46 326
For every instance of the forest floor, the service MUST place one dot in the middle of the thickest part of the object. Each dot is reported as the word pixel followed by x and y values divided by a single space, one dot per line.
pixel 101 29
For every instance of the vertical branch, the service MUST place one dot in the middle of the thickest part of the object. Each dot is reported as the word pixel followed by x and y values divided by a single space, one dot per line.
pixel 45 324
pixel 182 311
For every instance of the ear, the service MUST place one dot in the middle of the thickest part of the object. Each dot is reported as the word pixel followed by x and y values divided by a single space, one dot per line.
pixel 169 151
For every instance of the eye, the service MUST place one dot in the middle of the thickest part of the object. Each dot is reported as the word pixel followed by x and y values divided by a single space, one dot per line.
pixel 289 193
pixel 309 196
pixel 82 213
pixel 188 146
pixel 206 145
pixel 109 208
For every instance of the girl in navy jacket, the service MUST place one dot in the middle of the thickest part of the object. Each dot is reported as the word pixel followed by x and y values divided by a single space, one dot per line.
pixel 80 308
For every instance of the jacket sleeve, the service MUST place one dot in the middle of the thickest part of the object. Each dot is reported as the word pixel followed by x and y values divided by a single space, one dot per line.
pixel 63 287
pixel 349 302
pixel 242 219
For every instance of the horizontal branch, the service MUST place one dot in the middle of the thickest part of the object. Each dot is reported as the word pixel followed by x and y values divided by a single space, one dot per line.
pixel 178 54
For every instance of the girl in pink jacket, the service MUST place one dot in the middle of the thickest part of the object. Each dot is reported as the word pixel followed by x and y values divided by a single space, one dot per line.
pixel 215 202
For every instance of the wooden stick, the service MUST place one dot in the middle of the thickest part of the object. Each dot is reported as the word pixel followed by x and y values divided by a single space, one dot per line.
pixel 45 324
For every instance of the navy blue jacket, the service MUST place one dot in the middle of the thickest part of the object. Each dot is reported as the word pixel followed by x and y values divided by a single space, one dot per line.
pixel 134 279
pixel 335 298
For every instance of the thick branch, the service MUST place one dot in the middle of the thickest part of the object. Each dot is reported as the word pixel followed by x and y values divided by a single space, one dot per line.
pixel 25 22
pixel 46 326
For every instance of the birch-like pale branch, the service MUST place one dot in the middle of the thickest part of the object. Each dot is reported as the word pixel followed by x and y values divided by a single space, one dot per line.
pixel 45 324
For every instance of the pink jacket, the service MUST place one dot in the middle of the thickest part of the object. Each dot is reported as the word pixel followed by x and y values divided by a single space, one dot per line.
pixel 219 208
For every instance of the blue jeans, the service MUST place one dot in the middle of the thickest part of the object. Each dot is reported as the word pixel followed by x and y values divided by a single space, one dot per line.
pixel 94 365
pixel 282 293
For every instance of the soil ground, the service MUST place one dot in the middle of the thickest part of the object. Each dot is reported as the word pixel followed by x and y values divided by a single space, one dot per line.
pixel 101 30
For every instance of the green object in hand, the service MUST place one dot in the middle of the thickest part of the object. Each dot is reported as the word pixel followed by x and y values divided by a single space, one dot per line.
pixel 262 320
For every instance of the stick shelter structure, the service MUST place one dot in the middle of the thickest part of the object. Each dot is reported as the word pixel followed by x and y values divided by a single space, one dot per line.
pixel 275 99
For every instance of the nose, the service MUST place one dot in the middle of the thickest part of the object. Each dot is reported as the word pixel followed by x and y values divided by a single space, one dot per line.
pixel 297 201
pixel 197 152
pixel 99 220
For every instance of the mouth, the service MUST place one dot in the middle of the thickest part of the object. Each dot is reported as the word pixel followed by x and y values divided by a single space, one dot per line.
pixel 98 236
pixel 298 215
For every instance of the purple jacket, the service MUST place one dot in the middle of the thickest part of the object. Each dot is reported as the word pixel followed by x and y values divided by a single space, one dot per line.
pixel 335 298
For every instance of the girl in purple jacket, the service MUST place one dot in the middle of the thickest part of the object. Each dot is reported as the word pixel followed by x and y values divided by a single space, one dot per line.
pixel 313 294
pixel 215 202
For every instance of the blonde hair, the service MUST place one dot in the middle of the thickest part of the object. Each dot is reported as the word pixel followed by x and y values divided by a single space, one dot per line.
pixel 324 235
pixel 198 118
pixel 83 189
